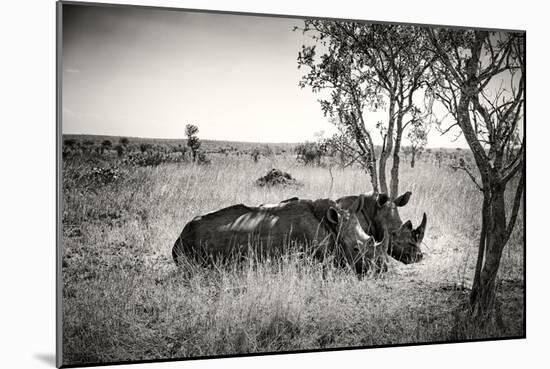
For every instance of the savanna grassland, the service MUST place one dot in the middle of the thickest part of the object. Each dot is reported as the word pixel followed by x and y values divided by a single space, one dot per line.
pixel 124 298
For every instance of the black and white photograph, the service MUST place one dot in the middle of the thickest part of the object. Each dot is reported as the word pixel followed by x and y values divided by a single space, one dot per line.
pixel 235 184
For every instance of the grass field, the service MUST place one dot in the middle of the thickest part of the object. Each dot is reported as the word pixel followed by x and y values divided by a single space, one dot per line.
pixel 124 299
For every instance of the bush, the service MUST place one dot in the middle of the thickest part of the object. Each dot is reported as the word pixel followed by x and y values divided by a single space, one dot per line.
pixel 268 151
pixel 153 158
pixel 70 142
pixel 119 150
pixel 145 159
pixel 104 175
pixel 78 176
pixel 255 155
pixel 202 159
pixel 143 147
pixel 309 153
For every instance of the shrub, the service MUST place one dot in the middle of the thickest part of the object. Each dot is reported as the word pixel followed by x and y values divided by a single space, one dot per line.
pixel 104 176
pixel 145 159
pixel 202 159
pixel 309 153
pixel 70 142
pixel 255 154
pixel 143 147
pixel 119 150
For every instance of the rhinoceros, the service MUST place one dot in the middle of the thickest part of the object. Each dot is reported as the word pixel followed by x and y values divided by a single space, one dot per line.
pixel 379 214
pixel 321 225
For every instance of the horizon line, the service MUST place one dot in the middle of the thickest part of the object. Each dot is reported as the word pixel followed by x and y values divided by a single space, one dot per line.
pixel 235 141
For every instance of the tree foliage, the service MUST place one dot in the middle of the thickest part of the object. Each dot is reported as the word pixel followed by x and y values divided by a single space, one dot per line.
pixel 193 141
pixel 361 67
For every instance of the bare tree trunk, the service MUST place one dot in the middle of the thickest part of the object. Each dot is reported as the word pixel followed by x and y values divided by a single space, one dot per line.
pixel 364 141
pixel 412 157
pixel 372 164
pixel 331 181
pixel 387 149
pixel 394 180
pixel 481 247
pixel 368 148
pixel 482 298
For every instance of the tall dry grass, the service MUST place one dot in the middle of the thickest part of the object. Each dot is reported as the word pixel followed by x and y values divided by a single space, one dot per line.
pixel 124 299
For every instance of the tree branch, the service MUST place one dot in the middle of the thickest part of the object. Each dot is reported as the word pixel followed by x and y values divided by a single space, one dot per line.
pixel 462 167
pixel 515 207
pixel 512 169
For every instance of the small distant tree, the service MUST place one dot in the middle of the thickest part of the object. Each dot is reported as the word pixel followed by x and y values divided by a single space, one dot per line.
pixel 193 141
pixel 124 141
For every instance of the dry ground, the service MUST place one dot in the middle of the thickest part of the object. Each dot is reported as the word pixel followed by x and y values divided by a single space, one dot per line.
pixel 124 299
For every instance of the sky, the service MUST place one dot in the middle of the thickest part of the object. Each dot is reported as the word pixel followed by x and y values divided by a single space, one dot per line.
pixel 143 72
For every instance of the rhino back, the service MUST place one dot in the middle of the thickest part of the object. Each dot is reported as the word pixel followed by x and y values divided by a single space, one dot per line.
pixel 239 227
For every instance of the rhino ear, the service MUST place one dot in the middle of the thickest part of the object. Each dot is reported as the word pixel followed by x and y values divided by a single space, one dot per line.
pixel 403 199
pixel 407 224
pixel 332 215
pixel 358 204
pixel 382 199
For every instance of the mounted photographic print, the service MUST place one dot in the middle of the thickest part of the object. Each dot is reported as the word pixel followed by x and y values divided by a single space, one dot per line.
pixel 240 184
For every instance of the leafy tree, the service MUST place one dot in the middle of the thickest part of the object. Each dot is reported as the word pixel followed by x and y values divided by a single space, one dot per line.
pixel 480 80
pixel 124 141
pixel 369 66
pixel 336 70
pixel 193 141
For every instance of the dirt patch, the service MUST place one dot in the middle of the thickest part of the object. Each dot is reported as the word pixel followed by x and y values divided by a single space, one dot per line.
pixel 276 177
